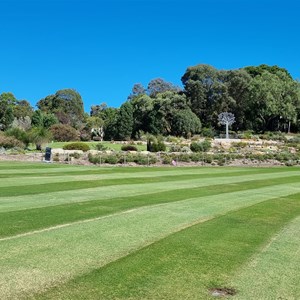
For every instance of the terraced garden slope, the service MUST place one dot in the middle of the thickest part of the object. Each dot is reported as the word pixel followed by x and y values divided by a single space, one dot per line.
pixel 73 232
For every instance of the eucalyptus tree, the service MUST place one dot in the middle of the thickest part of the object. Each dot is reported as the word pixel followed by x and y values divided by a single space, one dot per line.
pixel 7 104
pixel 124 122
pixel 66 104
pixel 274 101
pixel 207 90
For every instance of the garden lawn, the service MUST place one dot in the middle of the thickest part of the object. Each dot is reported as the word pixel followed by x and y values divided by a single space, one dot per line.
pixel 71 232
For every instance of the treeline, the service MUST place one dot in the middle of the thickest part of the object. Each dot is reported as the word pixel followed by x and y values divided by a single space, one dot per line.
pixel 262 98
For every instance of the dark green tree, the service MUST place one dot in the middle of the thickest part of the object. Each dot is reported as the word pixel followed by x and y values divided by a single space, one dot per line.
pixel 125 121
pixel 207 91
pixel 67 105
pixel 43 119
pixel 258 70
pixel 159 85
pixel 7 104
pixel 185 123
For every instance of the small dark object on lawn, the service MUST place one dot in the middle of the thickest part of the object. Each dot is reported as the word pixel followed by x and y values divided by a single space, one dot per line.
pixel 222 292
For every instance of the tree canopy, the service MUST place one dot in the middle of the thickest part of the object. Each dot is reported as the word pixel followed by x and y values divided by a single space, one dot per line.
pixel 261 98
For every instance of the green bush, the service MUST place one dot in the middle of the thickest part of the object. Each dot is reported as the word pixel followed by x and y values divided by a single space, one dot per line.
pixel 64 133
pixel 111 159
pixel 167 160
pixel 175 148
pixel 129 148
pixel 94 159
pixel 19 134
pixel 9 142
pixel 100 147
pixel 208 132
pixel 200 146
pixel 77 146
pixel 184 158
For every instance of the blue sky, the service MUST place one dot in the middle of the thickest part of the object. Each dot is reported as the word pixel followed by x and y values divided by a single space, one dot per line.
pixel 102 48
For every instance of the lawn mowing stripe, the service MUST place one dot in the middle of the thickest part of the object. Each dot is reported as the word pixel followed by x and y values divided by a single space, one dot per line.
pixel 265 192
pixel 274 272
pixel 126 190
pixel 187 264
pixel 34 180
pixel 17 222
pixel 83 170
pixel 57 255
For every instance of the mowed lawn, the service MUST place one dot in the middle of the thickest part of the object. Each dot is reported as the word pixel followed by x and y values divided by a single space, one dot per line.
pixel 80 232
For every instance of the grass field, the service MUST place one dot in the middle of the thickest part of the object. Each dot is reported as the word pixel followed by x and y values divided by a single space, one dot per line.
pixel 74 232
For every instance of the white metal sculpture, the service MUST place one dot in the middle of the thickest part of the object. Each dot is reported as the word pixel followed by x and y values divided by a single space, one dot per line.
pixel 226 118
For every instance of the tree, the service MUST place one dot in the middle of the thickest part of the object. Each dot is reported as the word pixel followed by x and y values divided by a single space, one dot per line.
pixel 42 119
pixel 159 85
pixel 142 106
pixel 64 133
pixel 137 90
pixel 226 118
pixel 125 121
pixel 66 104
pixel 273 101
pixel 40 136
pixel 259 70
pixel 207 90
pixel 22 109
pixel 7 104
pixel 185 123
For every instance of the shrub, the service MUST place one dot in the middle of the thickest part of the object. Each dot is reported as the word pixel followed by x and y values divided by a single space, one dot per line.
pixel 167 160
pixel 64 133
pixel 208 132
pixel 111 159
pixel 94 159
pixel 200 146
pixel 76 155
pixel 100 147
pixel 145 160
pixel 157 147
pixel 184 158
pixel 77 146
pixel 19 134
pixel 175 148
pixel 129 148
pixel 9 142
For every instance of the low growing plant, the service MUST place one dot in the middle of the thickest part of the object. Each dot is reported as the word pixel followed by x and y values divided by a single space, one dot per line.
pixel 77 146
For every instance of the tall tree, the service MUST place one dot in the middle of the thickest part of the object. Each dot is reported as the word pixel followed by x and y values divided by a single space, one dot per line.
pixel 125 121
pixel 258 70
pixel 207 90
pixel 158 85
pixel 7 104
pixel 66 104
pixel 274 99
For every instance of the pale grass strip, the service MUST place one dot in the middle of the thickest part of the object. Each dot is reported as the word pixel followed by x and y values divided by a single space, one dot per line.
pixel 15 181
pixel 126 190
pixel 31 263
pixel 274 272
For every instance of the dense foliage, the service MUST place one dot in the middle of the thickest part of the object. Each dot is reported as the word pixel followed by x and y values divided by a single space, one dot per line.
pixel 261 98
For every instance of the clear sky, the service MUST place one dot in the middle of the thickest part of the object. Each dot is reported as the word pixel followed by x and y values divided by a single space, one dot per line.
pixel 102 48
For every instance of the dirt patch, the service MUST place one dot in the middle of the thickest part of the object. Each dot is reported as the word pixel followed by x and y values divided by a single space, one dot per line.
pixel 222 292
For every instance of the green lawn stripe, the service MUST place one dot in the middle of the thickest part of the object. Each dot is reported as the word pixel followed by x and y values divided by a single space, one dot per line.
pixel 274 272
pixel 60 178
pixel 54 256
pixel 126 190
pixel 16 222
pixel 69 171
pixel 187 264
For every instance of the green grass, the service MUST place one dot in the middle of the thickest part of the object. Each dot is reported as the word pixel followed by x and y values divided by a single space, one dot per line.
pixel 71 232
